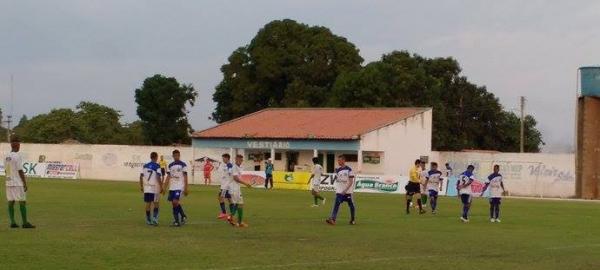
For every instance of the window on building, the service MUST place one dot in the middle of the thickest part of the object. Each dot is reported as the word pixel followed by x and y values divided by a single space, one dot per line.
pixel 351 157
pixel 277 155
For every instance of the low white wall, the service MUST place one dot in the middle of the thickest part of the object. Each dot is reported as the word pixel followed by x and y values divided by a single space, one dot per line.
pixel 538 175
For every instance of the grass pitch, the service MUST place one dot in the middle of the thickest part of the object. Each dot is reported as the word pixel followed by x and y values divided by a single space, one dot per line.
pixel 100 225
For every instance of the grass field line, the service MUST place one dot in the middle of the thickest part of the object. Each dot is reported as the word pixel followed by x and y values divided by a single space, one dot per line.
pixel 370 260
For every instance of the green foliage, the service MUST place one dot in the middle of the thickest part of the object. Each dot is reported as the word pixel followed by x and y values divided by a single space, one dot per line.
pixel 287 64
pixel 162 109
pixel 89 123
pixel 465 116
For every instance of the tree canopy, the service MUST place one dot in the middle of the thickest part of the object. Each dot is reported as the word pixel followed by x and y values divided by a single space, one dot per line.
pixel 287 64
pixel 162 110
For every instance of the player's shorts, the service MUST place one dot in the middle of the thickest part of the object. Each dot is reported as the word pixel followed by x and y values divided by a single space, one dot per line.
pixel 340 198
pixel 163 171
pixel 16 194
pixel 225 193
pixel 174 195
pixel 412 188
pixel 433 193
pixel 151 197
pixel 465 198
pixel 269 176
pixel 206 174
pixel 236 197
pixel 496 200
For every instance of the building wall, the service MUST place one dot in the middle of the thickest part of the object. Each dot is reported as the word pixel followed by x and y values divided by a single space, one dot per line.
pixel 538 175
pixel 402 143
pixel 588 148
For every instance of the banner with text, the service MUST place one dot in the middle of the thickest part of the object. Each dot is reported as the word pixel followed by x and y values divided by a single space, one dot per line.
pixel 48 170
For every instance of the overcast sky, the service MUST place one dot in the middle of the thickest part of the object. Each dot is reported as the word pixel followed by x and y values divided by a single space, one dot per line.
pixel 62 52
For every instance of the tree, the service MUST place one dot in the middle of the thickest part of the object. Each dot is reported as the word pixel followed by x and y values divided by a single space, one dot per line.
pixel 98 124
pixel 465 116
pixel 57 126
pixel 133 134
pixel 287 64
pixel 162 109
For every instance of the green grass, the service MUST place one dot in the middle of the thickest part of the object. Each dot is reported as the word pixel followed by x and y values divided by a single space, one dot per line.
pixel 99 225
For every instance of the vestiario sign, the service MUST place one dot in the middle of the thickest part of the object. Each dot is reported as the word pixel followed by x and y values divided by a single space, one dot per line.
pixel 268 144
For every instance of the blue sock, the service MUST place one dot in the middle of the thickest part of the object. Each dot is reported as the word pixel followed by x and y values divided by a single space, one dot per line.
pixel 181 213
pixel 433 202
pixel 156 213
pixel 176 214
pixel 497 212
pixel 222 205
pixel 465 212
pixel 148 216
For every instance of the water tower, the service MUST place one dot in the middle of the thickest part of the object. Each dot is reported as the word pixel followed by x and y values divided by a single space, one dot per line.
pixel 588 134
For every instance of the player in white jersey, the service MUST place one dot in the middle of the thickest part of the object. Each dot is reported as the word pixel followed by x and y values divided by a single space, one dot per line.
pixel 226 172
pixel 16 184
pixel 433 184
pixel 463 185
pixel 236 194
pixel 496 185
pixel 151 186
pixel 344 187
pixel 423 176
pixel 315 177
pixel 177 183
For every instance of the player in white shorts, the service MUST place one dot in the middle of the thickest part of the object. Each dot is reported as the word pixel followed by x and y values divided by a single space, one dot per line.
pixel 315 182
pixel 494 182
pixel 236 193
pixel 16 184
pixel 226 171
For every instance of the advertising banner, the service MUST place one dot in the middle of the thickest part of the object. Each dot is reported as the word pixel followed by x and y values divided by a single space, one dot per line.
pixel 48 170
pixel 254 178
pixel 476 187
pixel 369 183
pixel 291 180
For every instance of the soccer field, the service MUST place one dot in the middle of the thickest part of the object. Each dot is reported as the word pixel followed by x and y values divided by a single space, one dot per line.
pixel 100 224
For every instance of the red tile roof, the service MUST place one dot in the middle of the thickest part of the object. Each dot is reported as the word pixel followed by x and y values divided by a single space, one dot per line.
pixel 309 123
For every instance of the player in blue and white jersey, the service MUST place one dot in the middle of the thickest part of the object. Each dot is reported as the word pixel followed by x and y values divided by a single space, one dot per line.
pixel 151 186
pixel 226 172
pixel 177 184
pixel 433 184
pixel 463 185
pixel 344 187
pixel 494 182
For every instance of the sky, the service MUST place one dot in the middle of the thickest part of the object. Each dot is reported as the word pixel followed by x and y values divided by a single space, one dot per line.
pixel 62 52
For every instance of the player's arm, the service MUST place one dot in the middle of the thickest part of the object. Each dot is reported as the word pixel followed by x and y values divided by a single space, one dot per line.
pixel 166 183
pixel 350 183
pixel 22 175
pixel 141 182
pixel 237 178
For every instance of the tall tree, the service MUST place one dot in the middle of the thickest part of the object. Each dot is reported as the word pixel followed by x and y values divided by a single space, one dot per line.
pixel 162 109
pixel 287 64
pixel 465 116
pixel 99 124
pixel 56 126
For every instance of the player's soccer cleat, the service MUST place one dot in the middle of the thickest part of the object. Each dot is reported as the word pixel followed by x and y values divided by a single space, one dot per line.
pixel 175 224
pixel 242 225
pixel 148 222
pixel 492 220
pixel 155 222
pixel 422 211
pixel 433 212
pixel 464 220
pixel 222 216
pixel 314 205
pixel 352 222
pixel 183 220
pixel 231 221
pixel 498 220
pixel 330 221
pixel 13 225
pixel 323 201
pixel 28 226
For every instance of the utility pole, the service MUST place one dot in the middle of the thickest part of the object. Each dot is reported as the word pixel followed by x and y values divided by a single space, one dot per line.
pixel 9 116
pixel 522 124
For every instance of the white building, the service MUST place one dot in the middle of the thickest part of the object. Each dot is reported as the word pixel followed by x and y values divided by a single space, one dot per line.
pixel 374 140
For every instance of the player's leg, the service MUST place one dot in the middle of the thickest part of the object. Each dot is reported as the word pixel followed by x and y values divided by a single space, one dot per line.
pixel 408 201
pixel 433 200
pixel 155 211
pixel 336 207
pixel 173 198
pixel 419 202
pixel 466 201
pixel 148 199
pixel 221 200
pixel 497 209
pixel 350 201
pixel 11 214
pixel 23 209
pixel 240 211
pixel 492 210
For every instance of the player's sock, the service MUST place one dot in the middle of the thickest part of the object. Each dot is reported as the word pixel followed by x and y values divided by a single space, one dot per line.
pixel 424 199
pixel 433 203
pixel 352 210
pixel 492 210
pixel 176 213
pixel 233 209
pixel 148 216
pixel 497 212
pixel 11 213
pixel 240 212
pixel 320 197
pixel 465 212
pixel 222 205
pixel 408 205
pixel 181 213
pixel 316 200
pixel 23 209
pixel 419 204
pixel 155 213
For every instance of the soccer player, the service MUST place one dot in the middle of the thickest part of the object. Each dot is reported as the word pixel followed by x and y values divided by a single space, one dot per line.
pixel 269 173
pixel 424 175
pixel 16 184
pixel 151 186
pixel 315 177
pixel 236 194
pixel 413 188
pixel 463 185
pixel 344 187
pixel 177 183
pixel 208 168
pixel 226 170
pixel 433 184
pixel 496 185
